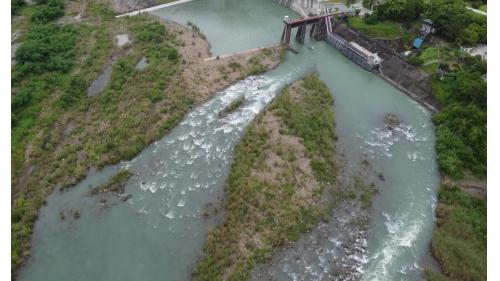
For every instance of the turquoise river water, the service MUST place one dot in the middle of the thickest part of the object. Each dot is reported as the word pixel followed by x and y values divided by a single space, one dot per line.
pixel 159 233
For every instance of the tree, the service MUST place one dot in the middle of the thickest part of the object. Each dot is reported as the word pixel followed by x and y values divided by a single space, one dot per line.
pixel 15 6
pixel 47 11
pixel 453 20
pixel 467 88
pixel 400 10
pixel 45 48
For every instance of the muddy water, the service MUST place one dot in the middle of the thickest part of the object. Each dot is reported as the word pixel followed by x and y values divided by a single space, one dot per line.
pixel 159 233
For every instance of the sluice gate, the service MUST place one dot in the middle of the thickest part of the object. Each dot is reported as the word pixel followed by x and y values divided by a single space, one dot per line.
pixel 321 29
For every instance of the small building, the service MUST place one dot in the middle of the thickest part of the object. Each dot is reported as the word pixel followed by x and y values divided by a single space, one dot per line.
pixel 427 28
pixel 355 52
pixel 417 43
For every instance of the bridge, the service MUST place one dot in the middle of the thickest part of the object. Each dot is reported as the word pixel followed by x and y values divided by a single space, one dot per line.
pixel 320 26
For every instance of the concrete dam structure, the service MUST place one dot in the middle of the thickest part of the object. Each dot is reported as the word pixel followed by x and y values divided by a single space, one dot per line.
pixel 370 54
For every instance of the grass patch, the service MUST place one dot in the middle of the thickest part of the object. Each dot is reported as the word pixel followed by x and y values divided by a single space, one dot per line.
pixel 381 29
pixel 459 242
pixel 429 54
pixel 233 106
pixel 265 214
pixel 115 184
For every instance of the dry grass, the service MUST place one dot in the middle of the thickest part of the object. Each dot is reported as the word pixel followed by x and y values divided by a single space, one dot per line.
pixel 281 167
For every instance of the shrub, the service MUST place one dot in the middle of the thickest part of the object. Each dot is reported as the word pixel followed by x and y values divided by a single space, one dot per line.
pixel 16 6
pixel 48 11
pixel 461 125
pixel 416 61
pixel 400 10
pixel 172 54
pixel 75 90
pixel 453 21
pixel 370 19
pixel 45 48
pixel 152 32
pixel 459 244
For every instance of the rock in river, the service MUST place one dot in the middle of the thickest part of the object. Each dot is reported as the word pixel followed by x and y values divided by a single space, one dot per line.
pixel 391 121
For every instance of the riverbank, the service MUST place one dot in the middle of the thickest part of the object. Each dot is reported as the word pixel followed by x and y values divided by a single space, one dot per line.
pixel 459 241
pixel 59 133
pixel 282 165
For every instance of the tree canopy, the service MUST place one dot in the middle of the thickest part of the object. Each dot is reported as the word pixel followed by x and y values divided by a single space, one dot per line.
pixel 461 125
pixel 400 10
pixel 454 21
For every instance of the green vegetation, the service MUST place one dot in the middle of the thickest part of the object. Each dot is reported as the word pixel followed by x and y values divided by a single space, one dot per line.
pixel 233 105
pixel 451 19
pixel 455 22
pixel 459 243
pixel 399 10
pixel 46 48
pixel 431 59
pixel 58 132
pixel 461 125
pixel 477 4
pixel 115 184
pixel 47 11
pixel 16 6
pixel 378 29
pixel 255 66
pixel 265 212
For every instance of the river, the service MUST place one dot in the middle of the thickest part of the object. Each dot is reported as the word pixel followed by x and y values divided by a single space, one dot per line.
pixel 159 233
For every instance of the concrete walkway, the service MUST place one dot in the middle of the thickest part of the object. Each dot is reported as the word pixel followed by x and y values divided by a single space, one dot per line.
pixel 430 62
pixel 241 53
pixel 477 11
pixel 154 8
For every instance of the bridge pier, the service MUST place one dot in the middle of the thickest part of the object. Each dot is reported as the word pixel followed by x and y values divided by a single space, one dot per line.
pixel 286 35
pixel 318 30
pixel 301 33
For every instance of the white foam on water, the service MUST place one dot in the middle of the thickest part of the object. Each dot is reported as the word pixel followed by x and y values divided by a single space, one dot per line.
pixel 402 234
pixel 182 202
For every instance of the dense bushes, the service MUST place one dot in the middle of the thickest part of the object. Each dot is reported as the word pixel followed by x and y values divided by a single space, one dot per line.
pixel 399 10
pixel 459 243
pixel 47 11
pixel 15 6
pixel 153 33
pixel 451 18
pixel 461 125
pixel 45 48
pixel 453 21
pixel 74 90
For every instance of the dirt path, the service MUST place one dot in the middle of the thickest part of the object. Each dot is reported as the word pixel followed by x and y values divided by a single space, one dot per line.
pixel 123 7
pixel 469 184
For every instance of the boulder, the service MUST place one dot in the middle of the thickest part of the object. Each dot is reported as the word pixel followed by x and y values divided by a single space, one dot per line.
pixel 391 121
